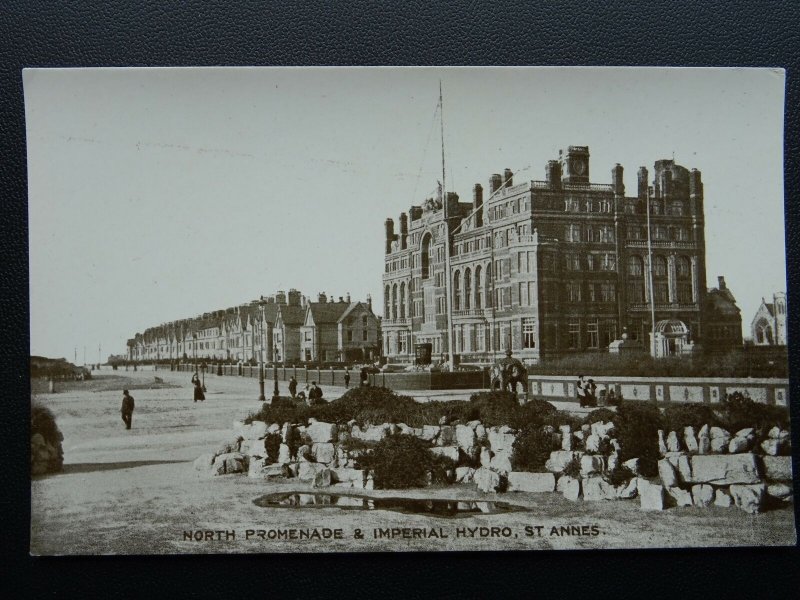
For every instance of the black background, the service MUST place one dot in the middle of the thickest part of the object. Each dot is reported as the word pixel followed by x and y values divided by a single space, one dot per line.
pixel 414 32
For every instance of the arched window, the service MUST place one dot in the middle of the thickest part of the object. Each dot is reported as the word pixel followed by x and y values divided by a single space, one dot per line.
pixel 425 255
pixel 403 300
pixel 659 266
pixel 478 288
pixel 394 301
pixel 634 266
pixel 488 295
pixel 683 267
pixel 457 290
pixel 387 302
pixel 467 288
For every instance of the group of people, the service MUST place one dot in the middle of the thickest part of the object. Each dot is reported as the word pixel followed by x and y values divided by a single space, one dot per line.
pixel 588 393
pixel 311 393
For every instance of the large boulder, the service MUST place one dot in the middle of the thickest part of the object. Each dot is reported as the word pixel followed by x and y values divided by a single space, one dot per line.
pixel 673 443
pixel 739 444
pixel 204 462
pixel 780 491
pixel 501 462
pixel 592 443
pixel 596 488
pixel 450 452
pixel 722 498
pixel 465 437
pixel 261 469
pixel 703 441
pixel 256 431
pixel 667 473
pixel 591 464
pixel 464 474
pixel 486 457
pixel 323 478
pixel 570 487
pixel 284 454
pixel 683 467
pixel 772 446
pixel 559 459
pixel 324 452
pixel 651 495
pixel 724 469
pixel 232 462
pixel 430 432
pixel 662 443
pixel 777 468
pixel 487 480
pixel 307 471
pixel 520 481
pixel 690 440
pixel 602 430
pixel 720 439
pixel 750 498
pixel 632 465
pixel 501 438
pixel 702 495
pixel 321 433
pixel 629 490
pixel 680 496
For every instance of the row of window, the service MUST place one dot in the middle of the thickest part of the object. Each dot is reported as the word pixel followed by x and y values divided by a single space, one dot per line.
pixel 573 204
pixel 660 233
pixel 589 233
pixel 683 266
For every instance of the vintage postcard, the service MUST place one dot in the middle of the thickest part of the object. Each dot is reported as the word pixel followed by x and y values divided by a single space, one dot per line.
pixel 407 309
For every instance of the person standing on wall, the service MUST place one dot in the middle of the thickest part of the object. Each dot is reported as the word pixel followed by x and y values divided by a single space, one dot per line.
pixel 127 409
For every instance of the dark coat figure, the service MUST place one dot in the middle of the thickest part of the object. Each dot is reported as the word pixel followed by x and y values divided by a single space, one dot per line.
pixel 314 394
pixel 293 387
pixel 127 409
pixel 512 373
pixel 346 378
pixel 364 377
pixel 198 388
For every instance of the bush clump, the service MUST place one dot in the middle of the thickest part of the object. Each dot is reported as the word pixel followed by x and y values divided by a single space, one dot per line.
pixel 532 448
pixel 621 475
pixel 678 416
pixel 601 415
pixel 637 426
pixel 49 457
pixel 272 444
pixel 402 461
pixel 573 468
pixel 737 411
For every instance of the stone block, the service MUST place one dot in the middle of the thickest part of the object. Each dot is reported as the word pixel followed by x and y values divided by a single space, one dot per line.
pixel 480 432
pixel 465 437
pixel 464 474
pixel 284 454
pixel 559 459
pixel 519 481
pixel 430 432
pixel 750 498
pixel 592 443
pixel 683 468
pixel 501 439
pixel 690 440
pixel 261 469
pixel 486 457
pixel 703 441
pixel 570 487
pixel 324 452
pixel 601 429
pixel 772 446
pixel 673 444
pixel 629 490
pixel 590 464
pixel 780 491
pixel 274 428
pixel 256 431
pixel 306 471
pixel 232 462
pixel 204 462
pixel 680 496
pixel 651 495
pixel 322 479
pixel 501 462
pixel 343 474
pixel 612 461
pixel 487 480
pixel 321 433
pixel 662 443
pixel 724 469
pixel 595 488
pixel 566 441
pixel 777 468
pixel 632 465
pixel 738 445
pixel 722 498
pixel 667 473
pixel 450 452
pixel 702 495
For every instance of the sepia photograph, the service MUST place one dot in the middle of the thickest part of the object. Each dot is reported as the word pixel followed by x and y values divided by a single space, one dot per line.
pixel 403 309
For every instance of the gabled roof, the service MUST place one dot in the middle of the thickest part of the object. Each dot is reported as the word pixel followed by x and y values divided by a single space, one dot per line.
pixel 350 309
pixel 770 308
pixel 721 302
pixel 327 312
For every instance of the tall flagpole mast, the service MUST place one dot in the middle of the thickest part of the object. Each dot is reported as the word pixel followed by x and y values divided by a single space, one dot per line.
pixel 650 280
pixel 448 274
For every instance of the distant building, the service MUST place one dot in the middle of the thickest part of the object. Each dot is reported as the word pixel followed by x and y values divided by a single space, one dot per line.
pixel 769 326
pixel 342 331
pixel 549 268
pixel 723 320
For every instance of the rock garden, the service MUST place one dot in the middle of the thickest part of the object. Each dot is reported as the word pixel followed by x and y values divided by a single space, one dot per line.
pixel 734 454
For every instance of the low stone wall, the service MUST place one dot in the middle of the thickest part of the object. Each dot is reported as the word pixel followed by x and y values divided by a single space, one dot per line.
pixel 668 390
pixel 708 467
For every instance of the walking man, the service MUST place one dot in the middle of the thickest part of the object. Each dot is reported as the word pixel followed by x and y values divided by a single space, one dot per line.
pixel 347 378
pixel 314 394
pixel 127 409
pixel 292 386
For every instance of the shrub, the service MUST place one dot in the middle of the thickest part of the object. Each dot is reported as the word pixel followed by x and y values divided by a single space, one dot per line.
pixel 600 415
pixel 573 468
pixel 619 476
pixel 532 448
pixel 372 405
pixel 442 469
pixel 272 444
pixel 637 426
pixel 676 417
pixel 281 410
pixel 738 411
pixel 43 422
pixel 559 418
pixel 400 461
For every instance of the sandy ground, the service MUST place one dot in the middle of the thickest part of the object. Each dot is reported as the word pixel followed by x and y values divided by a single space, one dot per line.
pixel 136 492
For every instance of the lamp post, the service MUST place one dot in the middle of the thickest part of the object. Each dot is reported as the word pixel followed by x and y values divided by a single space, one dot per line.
pixel 275 393
pixel 203 368
pixel 261 395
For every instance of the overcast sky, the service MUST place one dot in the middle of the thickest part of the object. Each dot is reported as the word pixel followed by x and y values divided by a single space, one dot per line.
pixel 158 194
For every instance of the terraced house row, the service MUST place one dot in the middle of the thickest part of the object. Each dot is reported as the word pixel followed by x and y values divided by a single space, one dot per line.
pixel 553 267
pixel 283 328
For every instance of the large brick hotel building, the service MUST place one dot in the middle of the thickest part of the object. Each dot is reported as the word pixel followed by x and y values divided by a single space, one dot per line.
pixel 551 267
